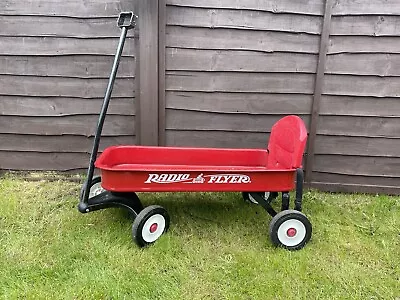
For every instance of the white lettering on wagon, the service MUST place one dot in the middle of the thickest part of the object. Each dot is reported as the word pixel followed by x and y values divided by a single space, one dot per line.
pixel 229 178
pixel 200 179
pixel 167 178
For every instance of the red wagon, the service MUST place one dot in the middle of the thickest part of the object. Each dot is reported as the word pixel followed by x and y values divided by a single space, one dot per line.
pixel 126 170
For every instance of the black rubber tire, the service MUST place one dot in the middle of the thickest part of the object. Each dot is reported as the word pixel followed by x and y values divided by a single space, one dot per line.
pixel 286 215
pixel 140 221
pixel 247 198
pixel 96 179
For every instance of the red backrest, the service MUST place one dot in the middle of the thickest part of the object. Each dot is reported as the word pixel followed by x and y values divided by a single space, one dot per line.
pixel 287 143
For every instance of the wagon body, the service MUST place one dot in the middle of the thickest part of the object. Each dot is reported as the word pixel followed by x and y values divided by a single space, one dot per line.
pixel 166 169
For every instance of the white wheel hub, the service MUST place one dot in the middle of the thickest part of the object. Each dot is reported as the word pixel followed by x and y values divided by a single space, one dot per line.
pixel 153 228
pixel 95 190
pixel 266 195
pixel 291 232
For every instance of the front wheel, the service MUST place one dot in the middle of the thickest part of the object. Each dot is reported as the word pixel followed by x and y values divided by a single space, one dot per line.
pixel 290 229
pixel 149 225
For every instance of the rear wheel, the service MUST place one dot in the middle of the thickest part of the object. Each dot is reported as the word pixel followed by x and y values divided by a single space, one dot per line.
pixel 149 225
pixel 94 189
pixel 290 229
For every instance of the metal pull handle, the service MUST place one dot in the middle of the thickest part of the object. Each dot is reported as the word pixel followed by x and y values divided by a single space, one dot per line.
pixel 127 19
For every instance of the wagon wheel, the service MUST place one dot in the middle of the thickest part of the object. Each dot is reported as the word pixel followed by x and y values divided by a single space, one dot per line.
pixel 95 187
pixel 290 229
pixel 149 225
pixel 269 196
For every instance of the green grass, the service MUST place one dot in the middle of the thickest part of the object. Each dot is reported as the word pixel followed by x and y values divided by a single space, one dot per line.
pixel 217 248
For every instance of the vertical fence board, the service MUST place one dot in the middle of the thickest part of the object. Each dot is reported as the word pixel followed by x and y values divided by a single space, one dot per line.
pixel 148 72
pixel 162 23
pixel 318 88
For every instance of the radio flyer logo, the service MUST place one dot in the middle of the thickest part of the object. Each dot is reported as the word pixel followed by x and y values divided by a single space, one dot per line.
pixel 200 179
pixel 167 178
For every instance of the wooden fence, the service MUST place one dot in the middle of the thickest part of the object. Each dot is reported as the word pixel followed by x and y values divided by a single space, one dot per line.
pixel 55 59
pixel 206 73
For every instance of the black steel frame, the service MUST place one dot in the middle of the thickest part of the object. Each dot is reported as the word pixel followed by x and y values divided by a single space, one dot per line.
pixel 266 203
pixel 126 21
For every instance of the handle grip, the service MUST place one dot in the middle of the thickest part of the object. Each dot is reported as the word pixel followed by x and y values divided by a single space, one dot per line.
pixel 127 19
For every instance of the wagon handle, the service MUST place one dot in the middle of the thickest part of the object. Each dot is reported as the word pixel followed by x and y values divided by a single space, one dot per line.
pixel 126 21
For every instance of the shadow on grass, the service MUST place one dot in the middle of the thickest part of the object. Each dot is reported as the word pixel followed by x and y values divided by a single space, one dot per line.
pixel 205 216
pixel 203 207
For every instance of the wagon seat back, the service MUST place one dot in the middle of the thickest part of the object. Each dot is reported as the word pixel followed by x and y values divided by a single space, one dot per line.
pixel 287 143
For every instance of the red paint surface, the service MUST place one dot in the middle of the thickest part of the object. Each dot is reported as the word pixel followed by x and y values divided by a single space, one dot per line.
pixel 291 232
pixel 153 228
pixel 162 169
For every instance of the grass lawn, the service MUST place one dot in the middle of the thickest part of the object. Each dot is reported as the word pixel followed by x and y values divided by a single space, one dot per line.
pixel 217 248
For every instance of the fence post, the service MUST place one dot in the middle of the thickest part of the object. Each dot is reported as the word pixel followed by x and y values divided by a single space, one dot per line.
pixel 318 89
pixel 147 130
pixel 162 23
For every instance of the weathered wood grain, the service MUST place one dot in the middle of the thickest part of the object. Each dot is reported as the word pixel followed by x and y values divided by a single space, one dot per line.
pixel 64 87
pixel 242 19
pixel 31 161
pixel 76 8
pixel 366 25
pixel 61 106
pixel 206 38
pixel 367 7
pixel 162 21
pixel 239 82
pixel 83 66
pixel 54 66
pixel 356 188
pixel 76 125
pixel 363 146
pixel 363 44
pixel 239 61
pixel 237 103
pixel 360 106
pixel 318 89
pixel 307 7
pixel 64 143
pixel 62 46
pixel 59 26
pixel 361 86
pixel 364 64
pixel 359 126
pixel 357 165
pixel 218 139
pixel 356 179
pixel 148 73
pixel 196 120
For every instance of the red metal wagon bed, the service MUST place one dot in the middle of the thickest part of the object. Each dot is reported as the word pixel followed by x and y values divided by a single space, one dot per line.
pixel 260 174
